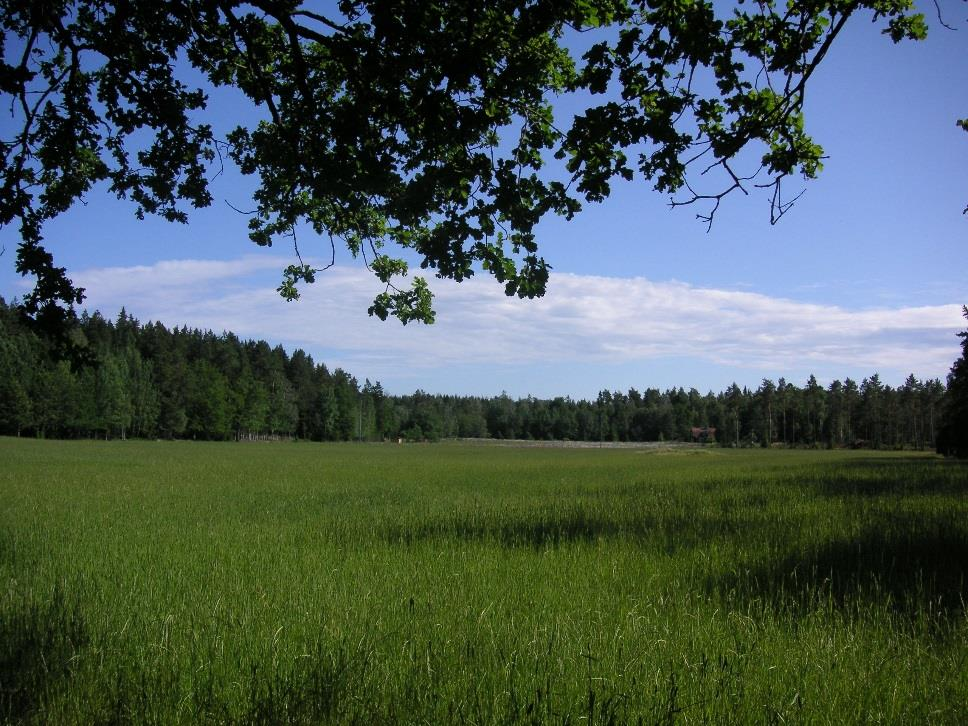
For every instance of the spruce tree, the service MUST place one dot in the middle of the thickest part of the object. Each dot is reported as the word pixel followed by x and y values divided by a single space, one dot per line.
pixel 953 434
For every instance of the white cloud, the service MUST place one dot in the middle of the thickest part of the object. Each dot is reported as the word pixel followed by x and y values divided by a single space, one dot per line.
pixel 582 319
pixel 179 278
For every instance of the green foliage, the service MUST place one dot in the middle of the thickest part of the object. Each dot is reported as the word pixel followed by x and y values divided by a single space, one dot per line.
pixel 426 127
pixel 112 400
pixel 407 305
pixel 16 410
pixel 180 582
pixel 291 278
pixel 145 400
pixel 206 402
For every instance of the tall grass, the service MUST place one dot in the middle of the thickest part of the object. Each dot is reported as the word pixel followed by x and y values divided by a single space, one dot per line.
pixel 185 583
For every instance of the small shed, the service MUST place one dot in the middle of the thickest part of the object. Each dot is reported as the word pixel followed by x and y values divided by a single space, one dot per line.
pixel 703 434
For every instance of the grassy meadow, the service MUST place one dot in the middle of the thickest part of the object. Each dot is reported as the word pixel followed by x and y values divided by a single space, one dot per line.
pixel 178 582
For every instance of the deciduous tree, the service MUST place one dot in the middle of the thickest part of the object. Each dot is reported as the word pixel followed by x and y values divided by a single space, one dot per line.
pixel 389 126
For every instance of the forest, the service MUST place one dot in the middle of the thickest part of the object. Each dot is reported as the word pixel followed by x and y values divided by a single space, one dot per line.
pixel 151 382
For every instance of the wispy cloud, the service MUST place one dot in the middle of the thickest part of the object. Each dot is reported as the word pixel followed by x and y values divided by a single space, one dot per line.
pixel 178 278
pixel 582 319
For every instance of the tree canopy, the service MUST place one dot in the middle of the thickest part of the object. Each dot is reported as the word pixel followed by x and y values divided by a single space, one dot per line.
pixel 421 126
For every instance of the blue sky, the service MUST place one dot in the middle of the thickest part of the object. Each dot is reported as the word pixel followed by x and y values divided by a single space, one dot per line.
pixel 866 273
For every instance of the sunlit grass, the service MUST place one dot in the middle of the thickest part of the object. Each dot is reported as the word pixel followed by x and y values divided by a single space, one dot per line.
pixel 185 582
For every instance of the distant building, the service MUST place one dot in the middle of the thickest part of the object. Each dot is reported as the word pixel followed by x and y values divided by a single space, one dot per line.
pixel 703 434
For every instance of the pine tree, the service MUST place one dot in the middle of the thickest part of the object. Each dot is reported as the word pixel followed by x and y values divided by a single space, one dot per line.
pixel 953 434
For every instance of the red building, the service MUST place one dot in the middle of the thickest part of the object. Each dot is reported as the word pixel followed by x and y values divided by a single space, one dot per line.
pixel 703 434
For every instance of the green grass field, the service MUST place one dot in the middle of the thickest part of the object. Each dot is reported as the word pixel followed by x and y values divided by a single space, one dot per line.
pixel 189 582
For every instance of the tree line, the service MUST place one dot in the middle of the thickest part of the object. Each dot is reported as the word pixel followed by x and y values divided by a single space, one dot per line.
pixel 152 382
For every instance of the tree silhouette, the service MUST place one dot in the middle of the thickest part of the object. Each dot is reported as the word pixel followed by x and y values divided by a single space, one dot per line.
pixel 953 433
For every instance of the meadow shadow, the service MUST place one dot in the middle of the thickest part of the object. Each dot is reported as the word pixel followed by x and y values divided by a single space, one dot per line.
pixel 516 530
pixel 37 644
pixel 911 571
pixel 658 532
pixel 901 475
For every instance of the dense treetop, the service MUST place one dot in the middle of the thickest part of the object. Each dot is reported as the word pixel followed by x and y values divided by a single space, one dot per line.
pixel 422 126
